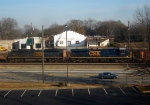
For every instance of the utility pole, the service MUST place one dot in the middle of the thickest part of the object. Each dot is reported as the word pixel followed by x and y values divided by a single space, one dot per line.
pixel 31 30
pixel 42 55
pixel 129 35
pixel 67 84
pixel 148 35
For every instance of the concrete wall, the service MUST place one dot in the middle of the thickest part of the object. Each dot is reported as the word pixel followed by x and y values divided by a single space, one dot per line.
pixel 7 44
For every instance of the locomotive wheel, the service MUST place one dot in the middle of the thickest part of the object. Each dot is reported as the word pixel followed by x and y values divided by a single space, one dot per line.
pixel 80 61
pixel 84 60
pixel 50 60
pixel 20 60
pixel 16 60
pixel 61 60
pixel 148 62
pixel 116 60
pixel 47 60
pixel 55 60
pixel 90 60
pixel 12 60
pixel 122 60
pixel 73 60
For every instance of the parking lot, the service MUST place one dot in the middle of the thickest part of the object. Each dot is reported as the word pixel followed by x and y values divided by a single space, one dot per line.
pixel 75 96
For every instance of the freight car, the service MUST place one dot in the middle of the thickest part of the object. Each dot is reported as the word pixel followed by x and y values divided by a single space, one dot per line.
pixel 144 56
pixel 50 55
pixel 101 55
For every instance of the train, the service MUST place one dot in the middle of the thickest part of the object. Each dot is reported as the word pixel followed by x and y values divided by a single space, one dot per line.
pixel 113 55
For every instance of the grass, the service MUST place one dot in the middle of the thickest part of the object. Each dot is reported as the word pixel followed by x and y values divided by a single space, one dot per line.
pixel 143 89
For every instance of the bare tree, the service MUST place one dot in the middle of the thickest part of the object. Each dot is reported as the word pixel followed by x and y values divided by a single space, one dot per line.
pixel 54 29
pixel 114 29
pixel 142 17
pixel 30 31
pixel 90 26
pixel 7 28
pixel 77 26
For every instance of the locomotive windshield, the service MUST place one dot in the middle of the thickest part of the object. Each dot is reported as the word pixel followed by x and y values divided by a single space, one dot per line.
pixel 123 51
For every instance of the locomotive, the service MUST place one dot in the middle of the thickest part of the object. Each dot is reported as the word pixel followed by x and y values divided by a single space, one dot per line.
pixel 22 55
pixel 74 55
pixel 101 55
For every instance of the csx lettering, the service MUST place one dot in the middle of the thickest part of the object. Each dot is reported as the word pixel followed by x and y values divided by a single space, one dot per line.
pixel 37 54
pixel 94 53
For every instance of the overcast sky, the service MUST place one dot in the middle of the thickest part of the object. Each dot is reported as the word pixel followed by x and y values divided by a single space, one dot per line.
pixel 47 12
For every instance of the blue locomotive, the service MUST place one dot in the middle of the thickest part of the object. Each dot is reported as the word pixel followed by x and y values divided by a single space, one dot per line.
pixel 101 55
pixel 22 55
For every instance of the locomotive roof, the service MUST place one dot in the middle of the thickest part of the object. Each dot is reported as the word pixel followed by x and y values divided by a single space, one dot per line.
pixel 98 49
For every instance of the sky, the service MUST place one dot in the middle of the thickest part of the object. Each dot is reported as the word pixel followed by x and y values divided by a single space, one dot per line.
pixel 47 12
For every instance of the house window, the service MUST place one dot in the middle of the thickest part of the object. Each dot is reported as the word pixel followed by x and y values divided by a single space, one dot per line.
pixel 38 45
pixel 23 46
pixel 68 43
pixel 61 42
pixel 77 42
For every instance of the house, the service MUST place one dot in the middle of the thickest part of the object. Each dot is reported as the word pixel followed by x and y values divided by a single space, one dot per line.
pixel 99 41
pixel 73 39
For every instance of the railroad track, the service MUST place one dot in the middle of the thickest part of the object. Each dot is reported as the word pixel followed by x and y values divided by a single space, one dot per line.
pixel 69 63
pixel 71 66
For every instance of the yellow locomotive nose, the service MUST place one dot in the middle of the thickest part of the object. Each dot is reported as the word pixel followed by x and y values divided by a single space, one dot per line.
pixel 2 48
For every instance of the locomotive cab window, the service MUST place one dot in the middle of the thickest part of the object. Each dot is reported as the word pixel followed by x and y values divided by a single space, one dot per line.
pixel 23 46
pixel 122 51
pixel 38 45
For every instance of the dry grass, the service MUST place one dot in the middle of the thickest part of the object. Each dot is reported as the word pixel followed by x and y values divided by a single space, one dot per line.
pixel 37 86
pixel 144 89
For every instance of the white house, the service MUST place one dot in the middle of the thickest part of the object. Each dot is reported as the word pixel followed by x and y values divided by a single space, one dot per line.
pixel 73 39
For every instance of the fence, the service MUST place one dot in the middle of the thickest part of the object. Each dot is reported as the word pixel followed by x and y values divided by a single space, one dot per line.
pixel 74 79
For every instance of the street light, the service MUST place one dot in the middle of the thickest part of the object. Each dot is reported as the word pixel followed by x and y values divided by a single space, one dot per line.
pixel 66 55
